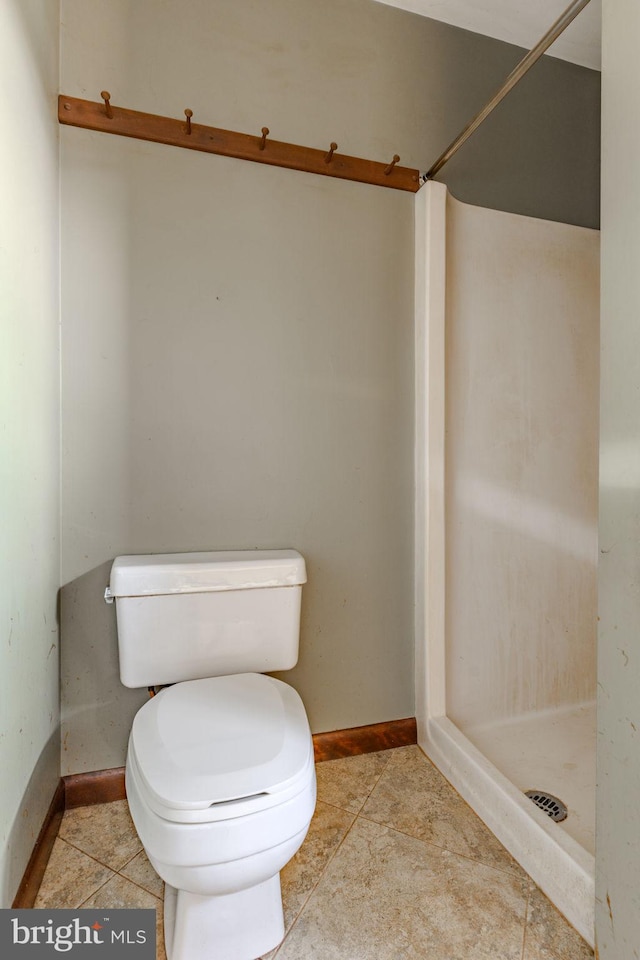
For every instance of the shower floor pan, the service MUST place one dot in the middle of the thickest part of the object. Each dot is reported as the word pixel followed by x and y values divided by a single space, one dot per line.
pixel 554 751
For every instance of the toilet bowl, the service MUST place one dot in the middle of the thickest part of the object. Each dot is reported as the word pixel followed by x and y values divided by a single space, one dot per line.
pixel 220 777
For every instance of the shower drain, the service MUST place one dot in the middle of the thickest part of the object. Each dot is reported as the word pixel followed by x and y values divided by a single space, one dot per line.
pixel 553 807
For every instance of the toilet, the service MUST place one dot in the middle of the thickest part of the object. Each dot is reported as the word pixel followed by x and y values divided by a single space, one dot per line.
pixel 220 776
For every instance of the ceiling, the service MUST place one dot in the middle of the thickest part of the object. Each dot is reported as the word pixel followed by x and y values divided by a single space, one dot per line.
pixel 522 22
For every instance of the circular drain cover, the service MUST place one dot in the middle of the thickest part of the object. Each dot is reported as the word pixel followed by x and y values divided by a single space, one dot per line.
pixel 553 807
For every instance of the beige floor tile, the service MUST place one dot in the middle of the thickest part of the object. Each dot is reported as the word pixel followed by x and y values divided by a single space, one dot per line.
pixel 299 877
pixel 388 896
pixel 412 796
pixel 71 876
pixel 120 893
pixel 161 953
pixel 140 871
pixel 104 831
pixel 548 936
pixel 348 782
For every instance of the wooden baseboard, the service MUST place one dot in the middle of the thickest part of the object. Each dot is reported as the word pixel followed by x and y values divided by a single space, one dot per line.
pixel 368 739
pixel 98 786
pixel 28 889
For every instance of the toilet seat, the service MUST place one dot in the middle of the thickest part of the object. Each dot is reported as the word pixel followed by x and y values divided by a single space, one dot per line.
pixel 221 747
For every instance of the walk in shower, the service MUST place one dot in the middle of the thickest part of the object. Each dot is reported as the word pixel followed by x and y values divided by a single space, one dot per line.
pixel 507 349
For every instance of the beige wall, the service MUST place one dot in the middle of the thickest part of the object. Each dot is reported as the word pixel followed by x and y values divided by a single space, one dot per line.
pixel 617 812
pixel 237 339
pixel 522 355
pixel 29 429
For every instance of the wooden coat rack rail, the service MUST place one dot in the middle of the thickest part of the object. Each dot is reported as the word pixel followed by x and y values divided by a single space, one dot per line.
pixel 194 136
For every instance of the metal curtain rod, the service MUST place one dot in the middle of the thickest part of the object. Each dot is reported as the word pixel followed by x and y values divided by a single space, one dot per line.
pixel 525 64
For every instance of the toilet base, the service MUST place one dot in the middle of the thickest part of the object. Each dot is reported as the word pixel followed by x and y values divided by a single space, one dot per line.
pixel 236 926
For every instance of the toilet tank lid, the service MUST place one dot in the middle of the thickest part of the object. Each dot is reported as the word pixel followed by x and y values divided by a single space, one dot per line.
pixel 168 573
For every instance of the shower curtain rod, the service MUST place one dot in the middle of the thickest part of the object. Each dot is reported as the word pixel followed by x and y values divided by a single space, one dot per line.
pixel 516 74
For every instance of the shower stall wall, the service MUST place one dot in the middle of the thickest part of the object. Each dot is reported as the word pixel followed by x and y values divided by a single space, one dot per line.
pixel 507 350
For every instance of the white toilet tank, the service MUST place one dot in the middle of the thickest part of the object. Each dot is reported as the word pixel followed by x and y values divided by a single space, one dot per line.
pixel 190 615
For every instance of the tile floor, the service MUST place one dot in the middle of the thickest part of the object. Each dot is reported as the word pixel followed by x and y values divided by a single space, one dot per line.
pixel 396 866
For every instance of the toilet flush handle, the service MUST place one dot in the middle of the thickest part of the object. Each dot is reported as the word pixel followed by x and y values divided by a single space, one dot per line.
pixel 108 596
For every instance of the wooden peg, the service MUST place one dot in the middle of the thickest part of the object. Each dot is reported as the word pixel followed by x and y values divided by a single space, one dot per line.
pixel 188 114
pixel 333 147
pixel 263 140
pixel 106 96
pixel 389 169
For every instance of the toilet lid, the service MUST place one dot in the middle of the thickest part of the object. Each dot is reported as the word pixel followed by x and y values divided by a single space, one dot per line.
pixel 202 742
